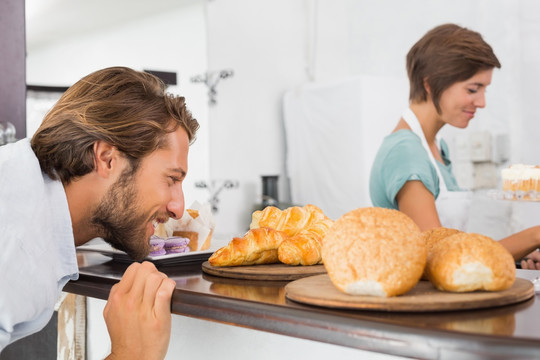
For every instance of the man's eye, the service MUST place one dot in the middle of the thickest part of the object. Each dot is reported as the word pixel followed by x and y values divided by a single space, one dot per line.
pixel 174 180
pixel 472 91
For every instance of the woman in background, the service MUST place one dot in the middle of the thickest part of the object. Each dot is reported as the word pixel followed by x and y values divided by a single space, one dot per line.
pixel 449 69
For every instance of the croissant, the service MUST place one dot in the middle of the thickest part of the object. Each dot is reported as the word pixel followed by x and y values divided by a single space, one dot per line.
pixel 257 246
pixel 290 220
pixel 305 247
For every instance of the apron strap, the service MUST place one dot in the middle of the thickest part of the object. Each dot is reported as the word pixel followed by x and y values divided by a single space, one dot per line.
pixel 411 119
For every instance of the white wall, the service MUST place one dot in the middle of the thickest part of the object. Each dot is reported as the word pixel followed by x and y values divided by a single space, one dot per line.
pixel 270 44
pixel 265 43
pixel 275 46
pixel 281 45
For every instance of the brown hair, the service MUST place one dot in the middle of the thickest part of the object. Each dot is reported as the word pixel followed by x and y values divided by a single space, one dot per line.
pixel 123 107
pixel 443 56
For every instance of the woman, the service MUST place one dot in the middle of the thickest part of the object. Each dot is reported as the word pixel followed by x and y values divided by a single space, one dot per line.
pixel 449 70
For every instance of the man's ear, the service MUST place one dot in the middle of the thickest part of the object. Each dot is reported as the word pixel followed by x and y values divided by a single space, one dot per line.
pixel 105 157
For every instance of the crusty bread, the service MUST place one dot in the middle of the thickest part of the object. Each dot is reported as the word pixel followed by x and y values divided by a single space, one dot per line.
pixel 257 246
pixel 433 236
pixel 290 220
pixel 305 248
pixel 374 251
pixel 468 262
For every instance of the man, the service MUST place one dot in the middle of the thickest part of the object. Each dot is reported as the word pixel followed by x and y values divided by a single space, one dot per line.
pixel 108 161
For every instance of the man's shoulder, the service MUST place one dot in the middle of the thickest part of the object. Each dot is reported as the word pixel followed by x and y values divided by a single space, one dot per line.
pixel 22 187
pixel 16 153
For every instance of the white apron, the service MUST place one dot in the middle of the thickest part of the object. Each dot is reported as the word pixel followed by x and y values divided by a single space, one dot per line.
pixel 452 206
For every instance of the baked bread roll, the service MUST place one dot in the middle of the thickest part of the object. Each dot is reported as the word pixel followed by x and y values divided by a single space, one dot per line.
pixel 257 246
pixel 290 220
pixel 468 262
pixel 305 248
pixel 374 251
pixel 433 236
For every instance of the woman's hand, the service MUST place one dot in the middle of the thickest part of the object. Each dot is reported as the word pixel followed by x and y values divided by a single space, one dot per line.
pixel 521 244
pixel 138 313
pixel 531 261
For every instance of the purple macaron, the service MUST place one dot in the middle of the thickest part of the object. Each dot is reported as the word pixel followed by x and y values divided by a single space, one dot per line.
pixel 157 246
pixel 176 244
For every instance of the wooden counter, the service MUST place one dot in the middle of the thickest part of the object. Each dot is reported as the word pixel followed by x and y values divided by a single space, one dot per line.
pixel 507 332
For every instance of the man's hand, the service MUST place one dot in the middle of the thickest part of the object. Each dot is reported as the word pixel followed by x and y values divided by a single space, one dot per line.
pixel 138 313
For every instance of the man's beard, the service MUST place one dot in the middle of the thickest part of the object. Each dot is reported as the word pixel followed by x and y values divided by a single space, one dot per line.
pixel 118 219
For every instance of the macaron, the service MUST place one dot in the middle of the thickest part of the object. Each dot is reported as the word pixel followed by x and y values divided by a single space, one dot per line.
pixel 175 245
pixel 157 246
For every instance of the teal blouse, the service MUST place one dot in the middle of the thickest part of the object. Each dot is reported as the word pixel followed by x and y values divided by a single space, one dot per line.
pixel 401 158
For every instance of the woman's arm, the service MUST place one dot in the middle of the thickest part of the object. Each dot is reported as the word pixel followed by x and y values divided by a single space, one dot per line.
pixel 522 243
pixel 416 201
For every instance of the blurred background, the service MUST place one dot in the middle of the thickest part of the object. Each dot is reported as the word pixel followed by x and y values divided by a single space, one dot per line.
pixel 301 92
pixel 304 90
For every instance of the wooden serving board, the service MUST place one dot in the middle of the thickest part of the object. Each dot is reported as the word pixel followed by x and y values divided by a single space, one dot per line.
pixel 264 272
pixel 319 290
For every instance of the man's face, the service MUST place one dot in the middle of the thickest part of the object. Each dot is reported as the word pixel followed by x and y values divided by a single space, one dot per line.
pixel 125 215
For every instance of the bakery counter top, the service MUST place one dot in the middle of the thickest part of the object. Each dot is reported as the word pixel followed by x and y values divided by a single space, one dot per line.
pixel 504 332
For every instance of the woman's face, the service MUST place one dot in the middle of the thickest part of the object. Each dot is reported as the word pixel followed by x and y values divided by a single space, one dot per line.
pixel 459 102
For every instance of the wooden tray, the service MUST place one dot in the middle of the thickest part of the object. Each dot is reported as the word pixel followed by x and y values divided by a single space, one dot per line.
pixel 264 272
pixel 319 290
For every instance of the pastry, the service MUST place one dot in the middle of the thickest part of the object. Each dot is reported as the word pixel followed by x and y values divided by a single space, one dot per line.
pixel 157 246
pixel 193 237
pixel 290 220
pixel 433 236
pixel 305 247
pixel 176 245
pixel 160 230
pixel 196 224
pixel 521 182
pixel 468 262
pixel 193 213
pixel 374 251
pixel 257 246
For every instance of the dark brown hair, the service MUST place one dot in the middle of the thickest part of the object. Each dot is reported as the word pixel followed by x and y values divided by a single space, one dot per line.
pixel 445 55
pixel 123 107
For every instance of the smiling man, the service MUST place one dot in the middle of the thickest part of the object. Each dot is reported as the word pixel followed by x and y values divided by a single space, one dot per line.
pixel 107 161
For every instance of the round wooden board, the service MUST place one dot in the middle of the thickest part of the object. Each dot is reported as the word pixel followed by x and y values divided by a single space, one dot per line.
pixel 319 290
pixel 264 272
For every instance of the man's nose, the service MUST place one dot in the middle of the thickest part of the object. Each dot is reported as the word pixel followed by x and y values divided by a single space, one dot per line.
pixel 175 206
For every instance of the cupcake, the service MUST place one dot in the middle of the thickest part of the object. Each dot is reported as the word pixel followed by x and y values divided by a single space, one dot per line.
pixel 157 246
pixel 175 245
